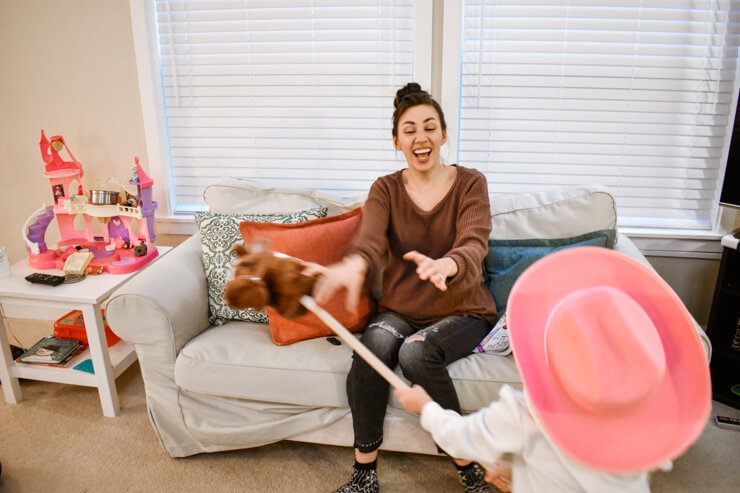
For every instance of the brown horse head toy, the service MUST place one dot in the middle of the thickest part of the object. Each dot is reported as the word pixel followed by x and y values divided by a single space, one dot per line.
pixel 264 278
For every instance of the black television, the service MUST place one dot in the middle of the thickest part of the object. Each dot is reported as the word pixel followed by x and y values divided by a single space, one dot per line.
pixel 730 195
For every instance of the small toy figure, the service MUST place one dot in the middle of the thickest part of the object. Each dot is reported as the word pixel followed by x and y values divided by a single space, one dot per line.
pixel 92 271
pixel 130 200
pixel 58 193
pixel 139 250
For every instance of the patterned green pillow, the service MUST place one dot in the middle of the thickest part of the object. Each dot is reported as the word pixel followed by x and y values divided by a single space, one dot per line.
pixel 219 234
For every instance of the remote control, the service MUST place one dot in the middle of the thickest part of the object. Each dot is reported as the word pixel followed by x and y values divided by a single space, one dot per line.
pixel 727 422
pixel 48 279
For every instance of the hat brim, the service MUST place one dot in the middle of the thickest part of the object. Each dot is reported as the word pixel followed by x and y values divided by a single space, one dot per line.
pixel 666 423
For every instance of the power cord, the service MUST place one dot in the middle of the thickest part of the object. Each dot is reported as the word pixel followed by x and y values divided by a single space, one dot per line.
pixel 15 350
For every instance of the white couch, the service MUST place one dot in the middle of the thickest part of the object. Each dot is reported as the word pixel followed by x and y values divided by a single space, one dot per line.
pixel 213 388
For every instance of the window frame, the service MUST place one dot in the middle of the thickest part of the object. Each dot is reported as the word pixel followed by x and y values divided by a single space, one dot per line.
pixel 143 19
pixel 437 64
pixel 651 241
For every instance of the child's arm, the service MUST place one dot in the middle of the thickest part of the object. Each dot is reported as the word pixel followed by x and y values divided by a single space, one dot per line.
pixel 482 436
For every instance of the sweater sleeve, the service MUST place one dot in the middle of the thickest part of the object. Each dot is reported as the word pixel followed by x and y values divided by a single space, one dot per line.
pixel 482 436
pixel 371 242
pixel 473 229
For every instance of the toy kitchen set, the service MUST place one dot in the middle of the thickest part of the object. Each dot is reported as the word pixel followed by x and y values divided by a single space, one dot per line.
pixel 118 235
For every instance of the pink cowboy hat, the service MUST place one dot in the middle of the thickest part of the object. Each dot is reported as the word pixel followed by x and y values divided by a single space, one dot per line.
pixel 610 359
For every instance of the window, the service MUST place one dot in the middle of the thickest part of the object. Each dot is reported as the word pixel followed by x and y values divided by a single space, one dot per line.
pixel 292 93
pixel 637 95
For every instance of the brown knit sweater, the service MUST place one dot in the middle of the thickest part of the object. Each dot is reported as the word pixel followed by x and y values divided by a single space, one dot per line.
pixel 457 227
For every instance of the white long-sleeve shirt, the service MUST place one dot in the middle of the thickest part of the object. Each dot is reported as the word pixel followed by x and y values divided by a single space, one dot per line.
pixel 507 425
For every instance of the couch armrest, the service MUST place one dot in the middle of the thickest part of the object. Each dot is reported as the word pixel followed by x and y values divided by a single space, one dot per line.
pixel 158 312
pixel 627 246
pixel 167 303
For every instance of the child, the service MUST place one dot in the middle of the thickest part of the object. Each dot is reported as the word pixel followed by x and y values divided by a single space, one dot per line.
pixel 616 381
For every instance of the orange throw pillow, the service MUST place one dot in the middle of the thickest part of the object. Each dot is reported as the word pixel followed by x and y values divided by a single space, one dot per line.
pixel 323 241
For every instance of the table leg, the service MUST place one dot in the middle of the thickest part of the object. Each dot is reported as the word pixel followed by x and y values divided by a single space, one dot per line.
pixel 106 383
pixel 11 387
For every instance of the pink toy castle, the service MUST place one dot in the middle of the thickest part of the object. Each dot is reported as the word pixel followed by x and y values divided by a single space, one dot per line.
pixel 125 221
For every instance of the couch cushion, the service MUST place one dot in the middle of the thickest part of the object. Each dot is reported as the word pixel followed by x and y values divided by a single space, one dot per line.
pixel 555 213
pixel 244 196
pixel 219 234
pixel 238 359
pixel 323 241
pixel 507 259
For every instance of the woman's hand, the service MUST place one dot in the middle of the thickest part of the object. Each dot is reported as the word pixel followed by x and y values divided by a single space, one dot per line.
pixel 434 271
pixel 313 269
pixel 412 399
pixel 348 274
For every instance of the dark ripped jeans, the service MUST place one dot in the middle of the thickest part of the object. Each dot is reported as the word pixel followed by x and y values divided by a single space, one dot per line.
pixel 423 356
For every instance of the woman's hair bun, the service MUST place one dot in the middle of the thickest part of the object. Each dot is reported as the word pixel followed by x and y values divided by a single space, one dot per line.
pixel 410 88
pixel 412 95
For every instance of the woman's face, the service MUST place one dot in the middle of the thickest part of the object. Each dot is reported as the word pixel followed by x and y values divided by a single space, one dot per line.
pixel 420 136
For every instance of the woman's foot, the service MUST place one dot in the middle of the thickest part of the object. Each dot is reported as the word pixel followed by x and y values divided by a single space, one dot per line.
pixel 364 479
pixel 473 478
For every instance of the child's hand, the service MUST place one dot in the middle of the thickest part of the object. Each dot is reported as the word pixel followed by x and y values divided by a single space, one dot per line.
pixel 499 475
pixel 413 399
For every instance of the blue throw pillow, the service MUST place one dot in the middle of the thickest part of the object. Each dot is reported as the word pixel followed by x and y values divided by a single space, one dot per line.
pixel 507 259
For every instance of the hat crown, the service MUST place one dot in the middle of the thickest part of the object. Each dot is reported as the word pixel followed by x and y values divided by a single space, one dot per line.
pixel 604 350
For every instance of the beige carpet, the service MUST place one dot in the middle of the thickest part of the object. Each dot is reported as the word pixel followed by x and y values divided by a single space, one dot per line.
pixel 57 440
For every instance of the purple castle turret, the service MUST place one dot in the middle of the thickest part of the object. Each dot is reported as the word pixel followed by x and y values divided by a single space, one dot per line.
pixel 144 196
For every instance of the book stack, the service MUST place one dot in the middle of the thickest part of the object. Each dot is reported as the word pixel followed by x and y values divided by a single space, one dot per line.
pixel 52 351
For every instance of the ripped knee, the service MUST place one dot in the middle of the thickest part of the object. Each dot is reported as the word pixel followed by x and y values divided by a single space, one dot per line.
pixel 382 325
pixel 415 337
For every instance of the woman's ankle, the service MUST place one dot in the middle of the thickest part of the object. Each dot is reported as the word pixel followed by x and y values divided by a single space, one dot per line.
pixel 364 479
pixel 366 457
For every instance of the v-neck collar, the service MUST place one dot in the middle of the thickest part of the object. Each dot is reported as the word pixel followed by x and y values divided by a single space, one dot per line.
pixel 439 202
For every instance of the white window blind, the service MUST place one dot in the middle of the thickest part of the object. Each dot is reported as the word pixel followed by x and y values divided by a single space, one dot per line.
pixel 294 93
pixel 635 95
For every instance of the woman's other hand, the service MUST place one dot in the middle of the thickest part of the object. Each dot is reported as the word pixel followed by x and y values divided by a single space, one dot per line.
pixel 413 398
pixel 348 274
pixel 434 271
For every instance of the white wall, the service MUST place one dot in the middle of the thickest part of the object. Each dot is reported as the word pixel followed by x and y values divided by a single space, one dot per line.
pixel 68 67
pixel 693 279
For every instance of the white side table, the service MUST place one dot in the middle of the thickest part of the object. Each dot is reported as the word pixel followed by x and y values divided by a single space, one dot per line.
pixel 88 296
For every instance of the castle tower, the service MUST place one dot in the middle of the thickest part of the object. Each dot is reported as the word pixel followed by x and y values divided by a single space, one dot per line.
pixel 144 191
pixel 61 174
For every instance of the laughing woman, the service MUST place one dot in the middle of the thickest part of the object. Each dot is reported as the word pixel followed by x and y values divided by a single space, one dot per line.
pixel 433 221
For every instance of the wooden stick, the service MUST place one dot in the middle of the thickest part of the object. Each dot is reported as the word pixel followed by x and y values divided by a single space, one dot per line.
pixel 354 343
